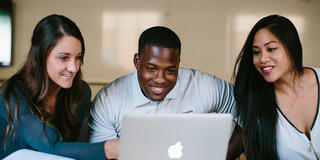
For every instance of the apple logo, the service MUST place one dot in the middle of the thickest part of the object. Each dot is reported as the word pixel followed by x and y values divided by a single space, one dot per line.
pixel 175 151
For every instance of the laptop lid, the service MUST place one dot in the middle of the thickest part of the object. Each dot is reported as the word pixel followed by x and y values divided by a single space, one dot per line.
pixel 175 136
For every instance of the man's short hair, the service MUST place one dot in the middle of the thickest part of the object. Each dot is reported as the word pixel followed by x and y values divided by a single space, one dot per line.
pixel 159 36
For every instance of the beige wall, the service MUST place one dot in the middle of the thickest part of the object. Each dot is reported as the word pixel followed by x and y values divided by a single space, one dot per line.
pixel 212 31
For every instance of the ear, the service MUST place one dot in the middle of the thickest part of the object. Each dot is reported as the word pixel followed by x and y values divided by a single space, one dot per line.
pixel 136 60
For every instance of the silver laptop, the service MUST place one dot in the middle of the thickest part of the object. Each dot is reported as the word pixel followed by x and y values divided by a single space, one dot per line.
pixel 175 136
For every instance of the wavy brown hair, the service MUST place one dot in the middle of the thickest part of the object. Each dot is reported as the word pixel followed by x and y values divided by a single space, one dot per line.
pixel 33 82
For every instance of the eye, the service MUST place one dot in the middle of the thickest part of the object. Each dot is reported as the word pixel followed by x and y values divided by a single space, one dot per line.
pixel 63 57
pixel 271 49
pixel 151 68
pixel 171 70
pixel 255 52
pixel 79 57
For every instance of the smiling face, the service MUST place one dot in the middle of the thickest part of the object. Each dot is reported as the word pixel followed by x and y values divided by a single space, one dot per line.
pixel 157 69
pixel 63 61
pixel 270 56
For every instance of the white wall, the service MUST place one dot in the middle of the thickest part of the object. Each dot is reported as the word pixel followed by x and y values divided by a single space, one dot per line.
pixel 212 31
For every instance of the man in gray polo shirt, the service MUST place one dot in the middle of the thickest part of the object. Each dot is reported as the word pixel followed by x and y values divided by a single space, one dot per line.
pixel 157 86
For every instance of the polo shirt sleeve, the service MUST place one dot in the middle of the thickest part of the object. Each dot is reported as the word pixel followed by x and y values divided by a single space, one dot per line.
pixel 223 97
pixel 102 123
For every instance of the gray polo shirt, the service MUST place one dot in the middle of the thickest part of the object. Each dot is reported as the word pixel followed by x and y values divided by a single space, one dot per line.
pixel 194 92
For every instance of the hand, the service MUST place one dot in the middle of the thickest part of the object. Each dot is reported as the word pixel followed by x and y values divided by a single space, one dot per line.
pixel 111 149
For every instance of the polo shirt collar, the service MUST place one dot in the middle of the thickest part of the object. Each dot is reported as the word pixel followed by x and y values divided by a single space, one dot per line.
pixel 175 92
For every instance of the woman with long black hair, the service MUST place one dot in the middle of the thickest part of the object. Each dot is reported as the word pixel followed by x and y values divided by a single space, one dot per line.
pixel 277 98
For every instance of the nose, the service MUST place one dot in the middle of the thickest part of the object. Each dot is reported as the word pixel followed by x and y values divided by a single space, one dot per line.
pixel 160 77
pixel 73 66
pixel 264 57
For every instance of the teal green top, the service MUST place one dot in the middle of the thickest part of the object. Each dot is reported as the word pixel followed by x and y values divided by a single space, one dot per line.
pixel 33 134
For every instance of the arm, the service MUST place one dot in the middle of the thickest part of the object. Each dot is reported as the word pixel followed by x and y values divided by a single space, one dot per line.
pixel 103 119
pixel 103 124
pixel 43 138
pixel 111 149
pixel 32 133
pixel 224 101
pixel 235 144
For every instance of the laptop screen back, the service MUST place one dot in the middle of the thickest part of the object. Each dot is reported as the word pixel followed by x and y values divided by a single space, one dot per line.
pixel 175 136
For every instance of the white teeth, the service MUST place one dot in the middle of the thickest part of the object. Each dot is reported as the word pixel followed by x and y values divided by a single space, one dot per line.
pixel 266 68
pixel 67 75
pixel 157 89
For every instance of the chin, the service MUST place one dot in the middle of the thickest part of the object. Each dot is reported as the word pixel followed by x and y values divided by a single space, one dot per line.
pixel 270 80
pixel 66 86
pixel 155 98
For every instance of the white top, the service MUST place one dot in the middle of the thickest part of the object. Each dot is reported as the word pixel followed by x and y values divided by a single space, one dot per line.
pixel 294 144
pixel 194 91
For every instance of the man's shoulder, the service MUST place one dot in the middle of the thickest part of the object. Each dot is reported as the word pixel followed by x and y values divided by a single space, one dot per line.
pixel 194 73
pixel 118 85
pixel 188 76
pixel 110 97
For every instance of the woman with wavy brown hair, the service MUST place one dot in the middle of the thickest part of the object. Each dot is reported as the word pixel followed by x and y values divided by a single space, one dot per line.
pixel 43 105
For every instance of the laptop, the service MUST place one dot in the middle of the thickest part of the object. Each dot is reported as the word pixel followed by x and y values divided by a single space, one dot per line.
pixel 175 136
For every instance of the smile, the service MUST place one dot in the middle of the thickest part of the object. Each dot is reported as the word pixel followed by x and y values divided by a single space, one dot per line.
pixel 67 75
pixel 267 69
pixel 158 90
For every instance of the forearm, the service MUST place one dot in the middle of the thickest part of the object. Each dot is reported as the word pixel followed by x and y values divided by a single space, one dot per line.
pixel 82 151
pixel 44 138
pixel 111 149
pixel 235 147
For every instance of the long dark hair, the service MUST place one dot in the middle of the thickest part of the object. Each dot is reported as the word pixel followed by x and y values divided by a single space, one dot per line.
pixel 33 82
pixel 256 100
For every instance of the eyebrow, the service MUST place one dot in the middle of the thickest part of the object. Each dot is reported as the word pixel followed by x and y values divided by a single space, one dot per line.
pixel 270 42
pixel 172 67
pixel 66 53
pixel 151 64
pixel 265 44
